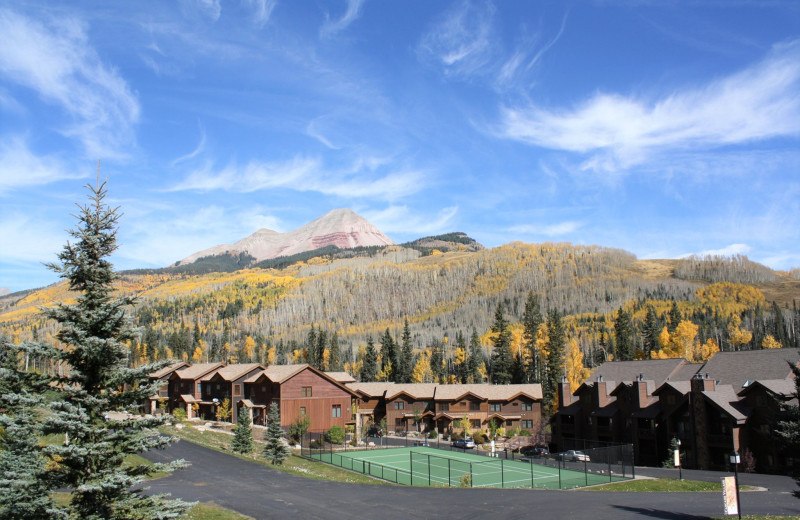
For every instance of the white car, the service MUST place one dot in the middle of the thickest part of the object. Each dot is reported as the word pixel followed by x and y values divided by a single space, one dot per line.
pixel 575 456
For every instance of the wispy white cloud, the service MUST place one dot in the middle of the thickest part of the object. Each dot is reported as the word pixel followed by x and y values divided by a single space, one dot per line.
pixel 211 9
pixel 522 60
pixel 549 230
pixel 331 27
pixel 758 103
pixel 56 60
pixel 402 219
pixel 194 153
pixel 306 174
pixel 729 250
pixel 20 167
pixel 262 10
pixel 34 239
pixel 461 42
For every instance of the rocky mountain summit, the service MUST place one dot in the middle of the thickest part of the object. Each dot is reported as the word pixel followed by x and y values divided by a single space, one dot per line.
pixel 342 228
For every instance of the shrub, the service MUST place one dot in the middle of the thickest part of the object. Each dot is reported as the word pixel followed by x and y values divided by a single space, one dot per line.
pixel 456 435
pixel 525 433
pixel 179 414
pixel 479 438
pixel 432 434
pixel 335 435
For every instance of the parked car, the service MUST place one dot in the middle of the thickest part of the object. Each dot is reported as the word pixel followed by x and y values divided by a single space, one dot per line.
pixel 422 443
pixel 374 431
pixel 573 456
pixel 463 443
pixel 537 452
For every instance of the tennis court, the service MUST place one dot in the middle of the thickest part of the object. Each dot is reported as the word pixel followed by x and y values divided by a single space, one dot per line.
pixel 420 466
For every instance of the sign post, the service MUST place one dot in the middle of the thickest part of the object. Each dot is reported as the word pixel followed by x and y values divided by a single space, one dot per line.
pixel 730 503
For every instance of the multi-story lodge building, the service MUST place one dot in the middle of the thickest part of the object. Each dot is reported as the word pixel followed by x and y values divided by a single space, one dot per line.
pixel 733 401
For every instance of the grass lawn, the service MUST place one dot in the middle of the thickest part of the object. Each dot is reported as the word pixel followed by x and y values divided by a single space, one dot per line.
pixel 294 464
pixel 202 511
pixel 664 485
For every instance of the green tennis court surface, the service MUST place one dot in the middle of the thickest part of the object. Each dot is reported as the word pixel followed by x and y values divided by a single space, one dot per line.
pixel 421 466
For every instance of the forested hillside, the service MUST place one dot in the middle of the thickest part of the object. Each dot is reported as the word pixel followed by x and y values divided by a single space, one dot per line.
pixel 612 306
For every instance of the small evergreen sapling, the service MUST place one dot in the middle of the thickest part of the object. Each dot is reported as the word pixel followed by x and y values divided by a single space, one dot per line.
pixel 243 433
pixel 275 450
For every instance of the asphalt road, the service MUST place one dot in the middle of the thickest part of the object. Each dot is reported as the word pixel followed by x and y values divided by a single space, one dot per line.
pixel 265 493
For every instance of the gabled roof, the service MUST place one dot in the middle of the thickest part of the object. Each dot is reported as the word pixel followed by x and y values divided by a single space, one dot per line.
pixel 784 388
pixel 607 411
pixel 282 373
pixel 197 371
pixel 373 389
pixel 725 398
pixel 735 368
pixel 158 374
pixel 656 370
pixel 487 391
pixel 413 390
pixel 232 372
pixel 683 387
pixel 342 377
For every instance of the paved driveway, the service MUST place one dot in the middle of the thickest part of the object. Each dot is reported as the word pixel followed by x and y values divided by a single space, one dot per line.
pixel 264 493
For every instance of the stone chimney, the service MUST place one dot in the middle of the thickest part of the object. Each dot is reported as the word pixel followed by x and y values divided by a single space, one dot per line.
pixel 564 393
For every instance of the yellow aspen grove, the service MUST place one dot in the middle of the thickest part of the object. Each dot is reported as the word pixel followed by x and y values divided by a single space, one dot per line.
pixel 422 370
pixel 198 354
pixel 271 353
pixel 770 342
pixel 249 348
pixel 576 372
pixel 683 339
pixel 484 372
pixel 326 358
pixel 707 350
pixel 738 336
pixel 664 339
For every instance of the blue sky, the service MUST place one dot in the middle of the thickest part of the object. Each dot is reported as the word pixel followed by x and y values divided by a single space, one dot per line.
pixel 663 128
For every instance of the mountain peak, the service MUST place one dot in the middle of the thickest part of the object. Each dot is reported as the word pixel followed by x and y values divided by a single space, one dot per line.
pixel 342 227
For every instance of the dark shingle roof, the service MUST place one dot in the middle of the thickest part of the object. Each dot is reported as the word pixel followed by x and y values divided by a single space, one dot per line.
pixel 735 368
pixel 656 370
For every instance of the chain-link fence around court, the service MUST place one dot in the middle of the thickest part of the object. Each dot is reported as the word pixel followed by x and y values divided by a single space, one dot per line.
pixel 431 466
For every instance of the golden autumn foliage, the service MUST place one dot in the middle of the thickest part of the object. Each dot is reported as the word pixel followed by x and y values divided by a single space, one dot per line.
pixel 422 372
pixel 770 342
pixel 573 363
pixel 683 344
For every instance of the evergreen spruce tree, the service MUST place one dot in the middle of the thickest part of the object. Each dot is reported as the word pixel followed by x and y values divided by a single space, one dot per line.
pixel 275 450
pixel 311 348
pixel 94 330
pixel 788 430
pixel 319 354
pixel 475 358
pixel 651 331
pixel 405 361
pixel 335 360
pixel 462 369
pixel 24 484
pixel 388 355
pixel 623 330
pixel 555 361
pixel 674 318
pixel 437 362
pixel 531 322
pixel 243 433
pixel 502 358
pixel 369 370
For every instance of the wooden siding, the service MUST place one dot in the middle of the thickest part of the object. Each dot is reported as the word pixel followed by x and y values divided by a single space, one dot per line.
pixel 324 394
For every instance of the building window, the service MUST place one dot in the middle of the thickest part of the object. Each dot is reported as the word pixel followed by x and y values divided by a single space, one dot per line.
pixel 444 407
pixel 302 410
pixel 475 423
pixel 264 389
pixel 494 407
pixel 527 407
pixel 199 388
pixel 336 410
pixel 237 390
pixel 176 387
pixel 527 424
pixel 399 405
pixel 508 423
pixel 463 404
pixel 306 391
pixel 473 406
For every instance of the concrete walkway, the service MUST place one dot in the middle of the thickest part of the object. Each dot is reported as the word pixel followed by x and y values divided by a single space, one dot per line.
pixel 264 493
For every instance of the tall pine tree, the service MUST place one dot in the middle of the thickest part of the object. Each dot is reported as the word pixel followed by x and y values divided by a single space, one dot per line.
pixel 275 449
pixel 623 330
pixel 93 331
pixel 369 369
pixel 556 344
pixel 502 359
pixel 243 433
pixel 531 322
pixel 405 360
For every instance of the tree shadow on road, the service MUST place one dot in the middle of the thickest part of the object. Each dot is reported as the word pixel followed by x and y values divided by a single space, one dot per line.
pixel 656 513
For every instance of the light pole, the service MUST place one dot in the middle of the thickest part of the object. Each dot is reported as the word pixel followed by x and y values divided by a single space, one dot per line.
pixel 735 461
pixel 678 459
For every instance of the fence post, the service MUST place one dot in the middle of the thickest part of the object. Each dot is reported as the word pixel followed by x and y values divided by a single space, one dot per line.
pixel 585 469
pixel 449 474
pixel 502 475
pixel 429 470
pixel 559 475
pixel 531 462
